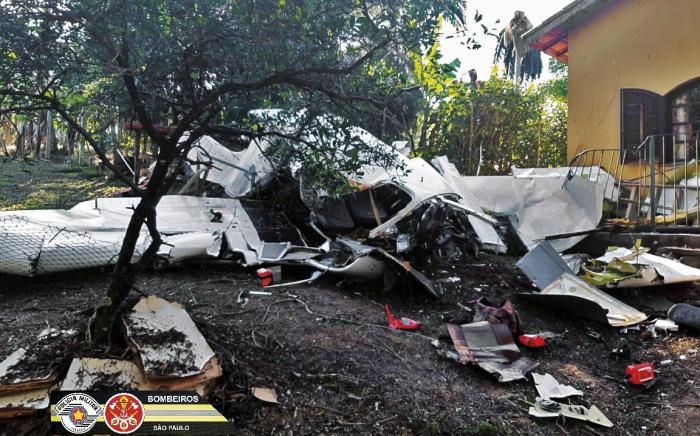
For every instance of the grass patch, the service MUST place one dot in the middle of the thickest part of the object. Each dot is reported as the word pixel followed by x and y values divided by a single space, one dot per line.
pixel 49 185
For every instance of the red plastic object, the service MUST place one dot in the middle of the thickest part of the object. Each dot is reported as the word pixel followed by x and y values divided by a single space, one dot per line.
pixel 400 324
pixel 265 275
pixel 640 373
pixel 532 341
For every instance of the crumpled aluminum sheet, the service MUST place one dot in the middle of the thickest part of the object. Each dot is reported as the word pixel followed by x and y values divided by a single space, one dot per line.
pixel 539 207
pixel 90 234
pixel 237 171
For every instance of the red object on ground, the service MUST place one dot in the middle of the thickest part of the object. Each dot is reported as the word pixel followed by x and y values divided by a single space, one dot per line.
pixel 640 373
pixel 265 275
pixel 400 324
pixel 532 341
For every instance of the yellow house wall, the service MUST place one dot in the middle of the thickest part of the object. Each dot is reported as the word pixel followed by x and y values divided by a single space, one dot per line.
pixel 647 44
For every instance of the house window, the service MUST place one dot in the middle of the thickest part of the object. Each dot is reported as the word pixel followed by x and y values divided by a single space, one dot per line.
pixel 685 112
pixel 641 116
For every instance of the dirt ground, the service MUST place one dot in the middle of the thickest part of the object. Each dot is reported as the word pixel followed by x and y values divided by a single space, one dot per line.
pixel 337 369
pixel 325 350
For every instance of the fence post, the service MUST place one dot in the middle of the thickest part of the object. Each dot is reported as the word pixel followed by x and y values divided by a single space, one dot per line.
pixel 652 182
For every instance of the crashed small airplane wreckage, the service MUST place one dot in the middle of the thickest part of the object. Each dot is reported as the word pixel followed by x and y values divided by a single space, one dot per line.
pixel 399 219
pixel 420 210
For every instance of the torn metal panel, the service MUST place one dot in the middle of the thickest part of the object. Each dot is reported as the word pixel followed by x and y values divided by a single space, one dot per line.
pixel 236 171
pixel 575 261
pixel 534 202
pixel 350 259
pixel 544 408
pixel 296 253
pixel 581 307
pixel 90 234
pixel 491 347
pixel 548 387
pixel 570 293
pixel 594 174
pixel 272 251
pixel 671 271
pixel 176 213
pixel 242 237
pixel 364 267
pixel 421 182
pixel 167 340
pixel 177 248
pixel 32 248
pixel 543 265
pixel 238 242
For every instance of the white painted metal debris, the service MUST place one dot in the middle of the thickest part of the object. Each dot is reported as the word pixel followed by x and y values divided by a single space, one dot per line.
pixel 618 313
pixel 548 387
pixel 265 394
pixel 168 342
pixel 531 204
pixel 236 171
pixel 90 234
pixel 666 325
pixel 544 408
pixel 91 373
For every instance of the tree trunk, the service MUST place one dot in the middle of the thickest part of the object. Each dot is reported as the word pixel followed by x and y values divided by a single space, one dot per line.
pixel 29 136
pixel 124 277
pixel 137 155
pixel 19 142
pixel 49 134
pixel 70 134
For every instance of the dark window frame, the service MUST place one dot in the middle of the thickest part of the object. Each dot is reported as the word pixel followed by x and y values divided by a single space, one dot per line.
pixel 659 113
pixel 664 116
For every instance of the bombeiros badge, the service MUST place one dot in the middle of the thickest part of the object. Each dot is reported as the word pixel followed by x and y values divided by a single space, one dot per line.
pixel 124 413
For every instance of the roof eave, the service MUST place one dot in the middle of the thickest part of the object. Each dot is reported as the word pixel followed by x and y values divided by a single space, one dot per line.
pixel 551 36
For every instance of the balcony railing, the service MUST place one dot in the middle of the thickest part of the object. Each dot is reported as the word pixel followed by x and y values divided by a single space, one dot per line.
pixel 654 184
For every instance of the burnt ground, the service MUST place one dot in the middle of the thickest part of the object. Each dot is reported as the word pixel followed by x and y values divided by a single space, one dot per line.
pixel 337 369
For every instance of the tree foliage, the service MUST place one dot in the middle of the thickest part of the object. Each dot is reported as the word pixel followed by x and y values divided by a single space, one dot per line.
pixel 492 125
pixel 199 66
